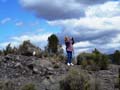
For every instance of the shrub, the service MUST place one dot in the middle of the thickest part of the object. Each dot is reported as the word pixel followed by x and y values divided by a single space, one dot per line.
pixel 84 63
pixel 95 84
pixel 119 78
pixel 83 56
pixel 117 81
pixel 6 85
pixel 27 48
pixel 92 66
pixel 94 60
pixel 61 57
pixel 29 87
pixel 75 80
pixel 56 66
pixel 0 52
pixel 103 63
pixel 8 50
pixel 116 57
pixel 79 59
pixel 45 54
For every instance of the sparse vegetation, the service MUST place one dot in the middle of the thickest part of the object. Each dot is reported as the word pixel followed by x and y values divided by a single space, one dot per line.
pixel 116 57
pixel 75 80
pixel 56 66
pixel 29 87
pixel 84 63
pixel 8 50
pixel 0 52
pixel 95 60
pixel 6 85
pixel 27 48
pixel 103 63
pixel 119 79
pixel 95 84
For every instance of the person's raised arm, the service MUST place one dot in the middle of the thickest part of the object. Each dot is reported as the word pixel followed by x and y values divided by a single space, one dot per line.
pixel 73 40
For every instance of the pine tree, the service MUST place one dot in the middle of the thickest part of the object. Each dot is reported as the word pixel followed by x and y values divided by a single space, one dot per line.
pixel 53 43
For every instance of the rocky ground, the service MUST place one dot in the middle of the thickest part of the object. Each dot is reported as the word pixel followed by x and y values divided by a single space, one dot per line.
pixel 17 71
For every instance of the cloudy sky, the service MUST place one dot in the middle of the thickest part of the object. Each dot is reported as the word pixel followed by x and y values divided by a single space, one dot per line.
pixel 92 23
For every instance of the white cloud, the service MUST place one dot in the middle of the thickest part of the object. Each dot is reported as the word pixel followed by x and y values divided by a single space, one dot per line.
pixel 101 23
pixel 4 44
pixel 82 44
pixel 5 20
pixel 114 43
pixel 19 24
pixel 108 9
pixel 78 51
pixel 104 17
pixel 33 38
pixel 37 39
pixel 116 39
pixel 99 29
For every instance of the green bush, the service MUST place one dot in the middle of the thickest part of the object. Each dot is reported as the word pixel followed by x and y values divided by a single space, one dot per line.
pixel 84 63
pixel 83 56
pixel 75 80
pixel 29 87
pixel 27 49
pixel 94 60
pixel 103 63
pixel 92 66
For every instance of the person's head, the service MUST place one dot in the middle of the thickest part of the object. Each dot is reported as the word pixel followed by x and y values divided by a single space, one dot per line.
pixel 66 38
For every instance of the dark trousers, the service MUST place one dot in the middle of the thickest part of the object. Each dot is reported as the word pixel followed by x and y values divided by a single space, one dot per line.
pixel 69 56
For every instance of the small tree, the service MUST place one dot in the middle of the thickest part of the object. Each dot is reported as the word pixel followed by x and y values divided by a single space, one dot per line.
pixel 116 57
pixel 101 60
pixel 96 51
pixel 53 43
pixel 8 50
pixel 103 63
pixel 0 52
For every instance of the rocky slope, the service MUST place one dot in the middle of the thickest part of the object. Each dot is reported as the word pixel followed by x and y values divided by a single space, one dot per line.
pixel 17 71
